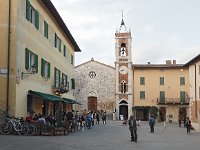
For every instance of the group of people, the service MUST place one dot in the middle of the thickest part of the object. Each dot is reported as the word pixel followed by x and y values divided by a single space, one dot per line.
pixel 132 122
pixel 186 124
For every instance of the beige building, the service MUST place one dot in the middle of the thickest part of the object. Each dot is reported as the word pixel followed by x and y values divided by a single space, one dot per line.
pixel 37 58
pixel 194 91
pixel 161 90
pixel 95 87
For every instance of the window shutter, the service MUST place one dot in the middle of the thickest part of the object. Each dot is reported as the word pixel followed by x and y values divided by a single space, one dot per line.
pixel 28 10
pixel 42 67
pixel 36 62
pixel 27 59
pixel 59 45
pixel 49 70
pixel 73 83
pixel 36 19
pixel 55 42
pixel 54 76
pixel 64 51
pixel 46 29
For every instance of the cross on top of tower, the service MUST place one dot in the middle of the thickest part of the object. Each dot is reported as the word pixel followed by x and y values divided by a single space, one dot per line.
pixel 122 23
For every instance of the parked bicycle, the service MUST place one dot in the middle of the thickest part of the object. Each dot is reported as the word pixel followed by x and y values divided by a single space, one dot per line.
pixel 13 125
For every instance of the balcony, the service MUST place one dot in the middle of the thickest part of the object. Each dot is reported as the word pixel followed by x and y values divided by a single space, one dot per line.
pixel 173 101
pixel 60 87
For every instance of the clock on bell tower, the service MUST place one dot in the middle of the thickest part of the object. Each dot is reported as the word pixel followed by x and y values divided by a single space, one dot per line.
pixel 124 73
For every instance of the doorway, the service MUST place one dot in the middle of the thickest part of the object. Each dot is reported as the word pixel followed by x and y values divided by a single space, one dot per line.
pixel 92 103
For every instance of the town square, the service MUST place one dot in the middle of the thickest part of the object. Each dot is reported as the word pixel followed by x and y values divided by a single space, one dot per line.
pixel 74 77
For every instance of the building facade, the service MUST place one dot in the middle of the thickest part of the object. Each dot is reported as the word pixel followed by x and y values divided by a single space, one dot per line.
pixel 95 87
pixel 161 90
pixel 37 58
pixel 194 91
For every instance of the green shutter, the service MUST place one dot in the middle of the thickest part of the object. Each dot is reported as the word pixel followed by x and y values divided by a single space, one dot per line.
pixel 182 96
pixel 59 45
pixel 36 62
pixel 37 19
pixel 73 83
pixel 162 96
pixel 45 29
pixel 42 67
pixel 55 41
pixel 28 10
pixel 59 78
pixel 54 76
pixel 64 51
pixel 49 70
pixel 27 58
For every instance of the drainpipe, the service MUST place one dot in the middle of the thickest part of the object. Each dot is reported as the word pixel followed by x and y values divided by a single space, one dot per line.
pixel 195 89
pixel 8 64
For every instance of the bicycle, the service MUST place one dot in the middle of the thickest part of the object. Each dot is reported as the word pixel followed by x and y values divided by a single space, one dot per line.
pixel 13 124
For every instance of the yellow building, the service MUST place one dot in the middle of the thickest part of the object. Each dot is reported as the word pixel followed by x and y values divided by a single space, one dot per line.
pixel 161 90
pixel 37 58
pixel 194 90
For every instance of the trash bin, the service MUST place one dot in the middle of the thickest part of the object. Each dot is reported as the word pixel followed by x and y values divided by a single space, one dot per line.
pixel 121 117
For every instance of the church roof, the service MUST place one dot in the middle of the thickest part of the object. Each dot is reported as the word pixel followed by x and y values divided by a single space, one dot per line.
pixel 92 60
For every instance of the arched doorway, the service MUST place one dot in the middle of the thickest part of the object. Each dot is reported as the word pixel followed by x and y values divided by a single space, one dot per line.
pixel 162 113
pixel 182 113
pixel 123 109
pixel 92 103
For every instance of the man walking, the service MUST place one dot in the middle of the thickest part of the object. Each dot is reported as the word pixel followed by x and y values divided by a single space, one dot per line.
pixel 133 128
pixel 151 124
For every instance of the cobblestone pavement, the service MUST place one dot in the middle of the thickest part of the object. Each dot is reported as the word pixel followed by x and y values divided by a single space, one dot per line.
pixel 113 136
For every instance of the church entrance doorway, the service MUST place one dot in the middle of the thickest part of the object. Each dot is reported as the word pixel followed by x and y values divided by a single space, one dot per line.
pixel 92 103
pixel 123 109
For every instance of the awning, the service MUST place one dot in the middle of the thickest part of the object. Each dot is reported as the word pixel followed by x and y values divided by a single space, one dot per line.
pixel 45 96
pixel 71 101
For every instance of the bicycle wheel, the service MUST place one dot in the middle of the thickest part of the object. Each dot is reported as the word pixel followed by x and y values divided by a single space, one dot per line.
pixel 31 129
pixel 6 128
pixel 23 129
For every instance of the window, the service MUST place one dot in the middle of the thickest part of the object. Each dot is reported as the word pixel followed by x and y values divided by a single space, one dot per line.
pixel 123 87
pixel 73 83
pixel 56 77
pixel 72 59
pixel 57 42
pixel 142 94
pixel 142 81
pixel 32 14
pixel 64 51
pixel 45 68
pixel 46 30
pixel 162 96
pixel 162 80
pixel 64 82
pixel 182 96
pixel 182 80
pixel 31 60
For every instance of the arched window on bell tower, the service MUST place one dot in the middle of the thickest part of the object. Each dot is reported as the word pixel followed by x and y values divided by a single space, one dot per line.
pixel 123 86
pixel 123 49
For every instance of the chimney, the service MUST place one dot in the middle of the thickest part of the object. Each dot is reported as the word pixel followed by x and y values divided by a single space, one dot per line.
pixel 168 62
pixel 174 62
pixel 149 63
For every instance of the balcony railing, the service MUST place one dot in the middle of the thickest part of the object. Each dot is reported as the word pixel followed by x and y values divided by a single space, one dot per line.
pixel 173 101
pixel 60 87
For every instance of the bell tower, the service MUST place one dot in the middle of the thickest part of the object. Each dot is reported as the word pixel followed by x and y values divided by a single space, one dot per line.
pixel 124 72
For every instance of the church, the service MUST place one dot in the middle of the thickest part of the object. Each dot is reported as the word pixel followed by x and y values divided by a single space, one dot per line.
pixel 128 89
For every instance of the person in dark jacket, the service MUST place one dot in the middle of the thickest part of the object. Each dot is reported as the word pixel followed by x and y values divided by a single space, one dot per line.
pixel 188 125
pixel 133 128
pixel 152 124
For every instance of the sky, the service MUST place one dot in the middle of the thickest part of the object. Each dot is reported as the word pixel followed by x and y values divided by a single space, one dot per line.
pixel 161 29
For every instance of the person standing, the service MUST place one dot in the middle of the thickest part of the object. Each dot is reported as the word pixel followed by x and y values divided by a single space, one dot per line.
pixel 179 120
pixel 152 124
pixel 97 117
pixel 188 125
pixel 104 118
pixel 133 128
